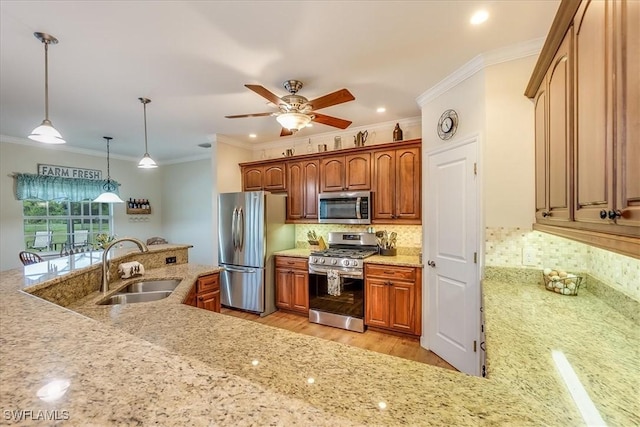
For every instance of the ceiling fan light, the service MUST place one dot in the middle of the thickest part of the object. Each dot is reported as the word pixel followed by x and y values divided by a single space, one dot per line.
pixel 293 121
pixel 46 134
pixel 147 162
pixel 108 197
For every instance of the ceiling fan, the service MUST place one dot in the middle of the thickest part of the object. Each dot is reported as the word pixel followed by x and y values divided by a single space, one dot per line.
pixel 296 111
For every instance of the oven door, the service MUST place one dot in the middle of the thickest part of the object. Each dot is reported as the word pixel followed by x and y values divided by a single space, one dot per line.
pixel 349 303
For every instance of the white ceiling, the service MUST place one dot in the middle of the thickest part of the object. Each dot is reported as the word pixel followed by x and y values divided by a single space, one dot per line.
pixel 192 59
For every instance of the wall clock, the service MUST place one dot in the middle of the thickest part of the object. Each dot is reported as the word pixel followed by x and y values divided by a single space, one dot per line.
pixel 448 124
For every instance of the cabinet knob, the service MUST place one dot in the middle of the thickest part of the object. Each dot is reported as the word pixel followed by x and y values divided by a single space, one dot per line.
pixel 613 214
pixel 546 214
pixel 603 214
pixel 200 298
pixel 431 263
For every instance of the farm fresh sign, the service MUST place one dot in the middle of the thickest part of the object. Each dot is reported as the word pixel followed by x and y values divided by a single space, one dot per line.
pixel 68 172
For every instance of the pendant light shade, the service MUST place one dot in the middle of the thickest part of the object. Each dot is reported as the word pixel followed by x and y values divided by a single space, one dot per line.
pixel 146 162
pixel 46 133
pixel 108 195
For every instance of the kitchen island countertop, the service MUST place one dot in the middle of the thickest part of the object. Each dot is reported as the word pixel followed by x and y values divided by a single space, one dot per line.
pixel 168 363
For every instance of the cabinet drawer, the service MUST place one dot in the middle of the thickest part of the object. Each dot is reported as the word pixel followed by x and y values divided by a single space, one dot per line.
pixel 390 272
pixel 292 263
pixel 208 283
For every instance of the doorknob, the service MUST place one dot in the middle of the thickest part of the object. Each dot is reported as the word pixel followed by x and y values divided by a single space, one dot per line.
pixel 431 263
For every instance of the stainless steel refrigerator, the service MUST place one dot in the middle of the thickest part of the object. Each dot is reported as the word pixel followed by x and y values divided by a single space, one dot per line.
pixel 250 228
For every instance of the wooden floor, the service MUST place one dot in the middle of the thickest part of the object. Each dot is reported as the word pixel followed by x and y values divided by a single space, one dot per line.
pixel 406 348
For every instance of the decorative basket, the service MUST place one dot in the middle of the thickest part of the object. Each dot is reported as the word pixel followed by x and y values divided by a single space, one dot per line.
pixel 566 285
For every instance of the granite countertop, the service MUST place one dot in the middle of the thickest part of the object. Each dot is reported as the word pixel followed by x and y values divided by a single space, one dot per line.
pixel 402 260
pixel 167 363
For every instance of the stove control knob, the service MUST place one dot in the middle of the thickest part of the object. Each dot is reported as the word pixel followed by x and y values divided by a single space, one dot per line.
pixel 314 260
pixel 334 261
pixel 321 260
pixel 346 262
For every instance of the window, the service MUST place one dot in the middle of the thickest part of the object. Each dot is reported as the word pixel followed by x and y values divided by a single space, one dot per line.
pixel 48 225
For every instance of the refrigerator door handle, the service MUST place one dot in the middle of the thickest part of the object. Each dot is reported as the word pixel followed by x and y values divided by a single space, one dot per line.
pixel 239 270
pixel 240 228
pixel 358 214
pixel 234 228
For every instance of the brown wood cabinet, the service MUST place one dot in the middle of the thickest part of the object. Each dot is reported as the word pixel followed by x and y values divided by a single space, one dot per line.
pixel 553 138
pixel 397 185
pixel 292 284
pixel 350 172
pixel 587 110
pixel 393 297
pixel 205 293
pixel 269 177
pixel 303 180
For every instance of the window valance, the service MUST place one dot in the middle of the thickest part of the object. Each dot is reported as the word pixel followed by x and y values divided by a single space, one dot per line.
pixel 43 187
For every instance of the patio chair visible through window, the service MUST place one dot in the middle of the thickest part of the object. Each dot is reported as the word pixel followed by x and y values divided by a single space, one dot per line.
pixel 42 240
pixel 80 238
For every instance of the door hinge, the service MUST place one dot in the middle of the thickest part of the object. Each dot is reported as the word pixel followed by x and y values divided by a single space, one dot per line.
pixel 475 169
pixel 475 257
pixel 474 346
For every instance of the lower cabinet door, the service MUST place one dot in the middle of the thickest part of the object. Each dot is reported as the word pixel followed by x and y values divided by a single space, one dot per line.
pixel 402 306
pixel 209 301
pixel 300 291
pixel 283 288
pixel 377 303
pixel 191 297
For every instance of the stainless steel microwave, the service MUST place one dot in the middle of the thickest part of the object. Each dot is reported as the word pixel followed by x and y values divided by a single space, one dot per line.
pixel 345 208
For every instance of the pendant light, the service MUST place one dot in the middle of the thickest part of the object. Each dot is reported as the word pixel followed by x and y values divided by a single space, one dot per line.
pixel 146 162
pixel 109 195
pixel 46 133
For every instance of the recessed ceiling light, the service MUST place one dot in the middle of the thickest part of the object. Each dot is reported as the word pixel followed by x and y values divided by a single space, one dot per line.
pixel 381 110
pixel 205 145
pixel 479 17
pixel 252 135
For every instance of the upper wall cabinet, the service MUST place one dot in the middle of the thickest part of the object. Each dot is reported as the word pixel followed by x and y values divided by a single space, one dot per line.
pixel 553 138
pixel 351 172
pixel 396 185
pixel 303 178
pixel 269 177
pixel 585 88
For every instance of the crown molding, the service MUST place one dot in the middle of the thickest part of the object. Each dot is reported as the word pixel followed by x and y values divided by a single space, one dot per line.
pixel 62 147
pixel 478 63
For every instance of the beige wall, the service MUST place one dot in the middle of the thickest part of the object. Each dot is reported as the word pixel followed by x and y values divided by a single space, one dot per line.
pixel 229 178
pixel 186 208
pixel 508 167
pixel 135 183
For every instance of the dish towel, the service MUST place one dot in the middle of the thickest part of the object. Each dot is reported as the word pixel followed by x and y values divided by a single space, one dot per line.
pixel 130 269
pixel 333 283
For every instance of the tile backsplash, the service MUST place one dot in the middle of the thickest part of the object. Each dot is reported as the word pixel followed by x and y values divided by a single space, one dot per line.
pixel 504 247
pixel 409 240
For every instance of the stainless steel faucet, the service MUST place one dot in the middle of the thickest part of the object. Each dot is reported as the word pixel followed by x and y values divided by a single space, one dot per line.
pixel 104 286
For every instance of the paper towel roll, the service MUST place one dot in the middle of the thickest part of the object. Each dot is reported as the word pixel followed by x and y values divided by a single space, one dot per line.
pixel 130 269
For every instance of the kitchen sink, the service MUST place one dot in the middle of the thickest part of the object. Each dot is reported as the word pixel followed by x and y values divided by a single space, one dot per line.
pixel 128 298
pixel 151 286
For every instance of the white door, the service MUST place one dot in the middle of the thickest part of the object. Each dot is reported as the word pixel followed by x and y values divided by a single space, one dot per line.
pixel 451 270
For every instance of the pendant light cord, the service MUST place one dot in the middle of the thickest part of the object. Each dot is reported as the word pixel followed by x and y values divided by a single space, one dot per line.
pixel 46 80
pixel 146 150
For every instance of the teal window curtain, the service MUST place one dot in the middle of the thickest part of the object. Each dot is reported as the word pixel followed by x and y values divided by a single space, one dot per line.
pixel 43 187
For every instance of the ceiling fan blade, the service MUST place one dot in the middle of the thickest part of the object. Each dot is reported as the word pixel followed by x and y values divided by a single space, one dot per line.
pixel 265 93
pixel 285 132
pixel 249 115
pixel 331 121
pixel 334 98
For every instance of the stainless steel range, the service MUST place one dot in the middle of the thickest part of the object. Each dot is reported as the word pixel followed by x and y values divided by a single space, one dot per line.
pixel 336 280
